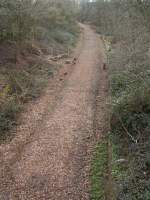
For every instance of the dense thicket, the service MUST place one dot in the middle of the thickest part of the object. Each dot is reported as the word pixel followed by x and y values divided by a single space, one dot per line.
pixel 126 25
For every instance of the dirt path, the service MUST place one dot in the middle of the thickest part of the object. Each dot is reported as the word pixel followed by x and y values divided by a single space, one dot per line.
pixel 52 163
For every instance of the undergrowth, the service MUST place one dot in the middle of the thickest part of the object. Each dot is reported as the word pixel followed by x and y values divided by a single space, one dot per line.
pixel 130 123
pixel 20 87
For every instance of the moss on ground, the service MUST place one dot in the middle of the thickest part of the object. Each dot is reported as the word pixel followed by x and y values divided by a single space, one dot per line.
pixel 99 171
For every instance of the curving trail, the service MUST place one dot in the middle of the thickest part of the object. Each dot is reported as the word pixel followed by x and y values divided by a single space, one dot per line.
pixel 53 164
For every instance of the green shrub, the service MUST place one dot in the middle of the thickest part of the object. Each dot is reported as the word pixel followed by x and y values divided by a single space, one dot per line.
pixel 8 114
pixel 62 36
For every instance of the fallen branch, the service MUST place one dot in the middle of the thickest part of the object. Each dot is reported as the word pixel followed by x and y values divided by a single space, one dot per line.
pixel 126 130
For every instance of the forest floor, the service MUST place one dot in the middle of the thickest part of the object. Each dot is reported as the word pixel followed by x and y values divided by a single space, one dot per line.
pixel 49 156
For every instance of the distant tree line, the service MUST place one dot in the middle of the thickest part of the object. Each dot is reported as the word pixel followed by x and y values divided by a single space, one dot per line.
pixel 27 19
